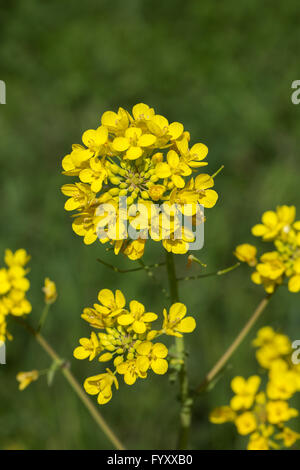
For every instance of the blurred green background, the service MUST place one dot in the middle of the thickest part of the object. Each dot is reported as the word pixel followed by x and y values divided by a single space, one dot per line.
pixel 225 70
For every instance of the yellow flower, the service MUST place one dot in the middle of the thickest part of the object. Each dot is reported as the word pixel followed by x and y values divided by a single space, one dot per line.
pixel 279 412
pixel 101 385
pixel 50 291
pixel 133 143
pixel 258 442
pixel 89 348
pixel 222 414
pixel 19 258
pixel 25 378
pixel 282 384
pixel 271 346
pixel 80 196
pixel 269 271
pixel 17 303
pixel 95 175
pixel 175 322
pixel 152 355
pixel 173 169
pixel 246 423
pixel 136 317
pixel 194 156
pixel 245 391
pixel 289 436
pixel 246 253
pixel 110 304
pixel 273 223
pixel 135 249
pixel 131 371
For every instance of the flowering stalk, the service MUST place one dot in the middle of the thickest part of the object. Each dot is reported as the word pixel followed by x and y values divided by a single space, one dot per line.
pixel 185 398
pixel 233 347
pixel 74 384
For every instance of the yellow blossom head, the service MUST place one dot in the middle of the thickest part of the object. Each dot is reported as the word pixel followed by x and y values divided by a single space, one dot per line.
pixel 144 159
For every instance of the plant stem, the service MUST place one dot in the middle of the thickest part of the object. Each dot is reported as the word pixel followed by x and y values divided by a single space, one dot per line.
pixel 233 347
pixel 43 317
pixel 74 384
pixel 220 272
pixel 185 398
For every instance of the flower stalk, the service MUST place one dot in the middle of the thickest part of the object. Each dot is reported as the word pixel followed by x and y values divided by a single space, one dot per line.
pixel 185 399
pixel 234 345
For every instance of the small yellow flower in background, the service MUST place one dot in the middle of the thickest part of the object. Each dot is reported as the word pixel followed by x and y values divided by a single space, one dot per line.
pixel 50 291
pixel 278 412
pixel 271 346
pixel 263 414
pixel 274 267
pixel 140 156
pixel 245 391
pixel 126 338
pixel 246 253
pixel 25 378
pixel 246 423
pixel 222 414
pixel 13 287
pixel 273 223
pixel 289 436
pixel 258 442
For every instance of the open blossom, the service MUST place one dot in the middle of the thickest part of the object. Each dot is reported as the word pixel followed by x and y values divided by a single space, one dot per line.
pixel 126 338
pixel 143 158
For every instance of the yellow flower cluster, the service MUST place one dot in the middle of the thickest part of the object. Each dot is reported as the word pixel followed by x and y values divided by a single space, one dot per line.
pixel 127 340
pixel 145 159
pixel 263 414
pixel 13 288
pixel 279 228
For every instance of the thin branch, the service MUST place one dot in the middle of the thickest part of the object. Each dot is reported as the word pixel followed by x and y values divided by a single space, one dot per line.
pixel 220 272
pixel 233 347
pixel 131 270
pixel 74 384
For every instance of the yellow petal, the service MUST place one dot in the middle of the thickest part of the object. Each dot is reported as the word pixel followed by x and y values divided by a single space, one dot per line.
pixel 133 153
pixel 187 325
pixel 106 297
pixel 175 130
pixel 162 170
pixel 159 366
pixel 120 144
pixel 146 140
pixel 294 284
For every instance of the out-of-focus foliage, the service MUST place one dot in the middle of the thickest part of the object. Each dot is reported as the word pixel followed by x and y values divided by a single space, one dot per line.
pixel 224 69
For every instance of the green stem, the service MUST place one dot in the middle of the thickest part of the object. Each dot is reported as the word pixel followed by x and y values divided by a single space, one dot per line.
pixel 220 272
pixel 74 384
pixel 185 398
pixel 43 317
